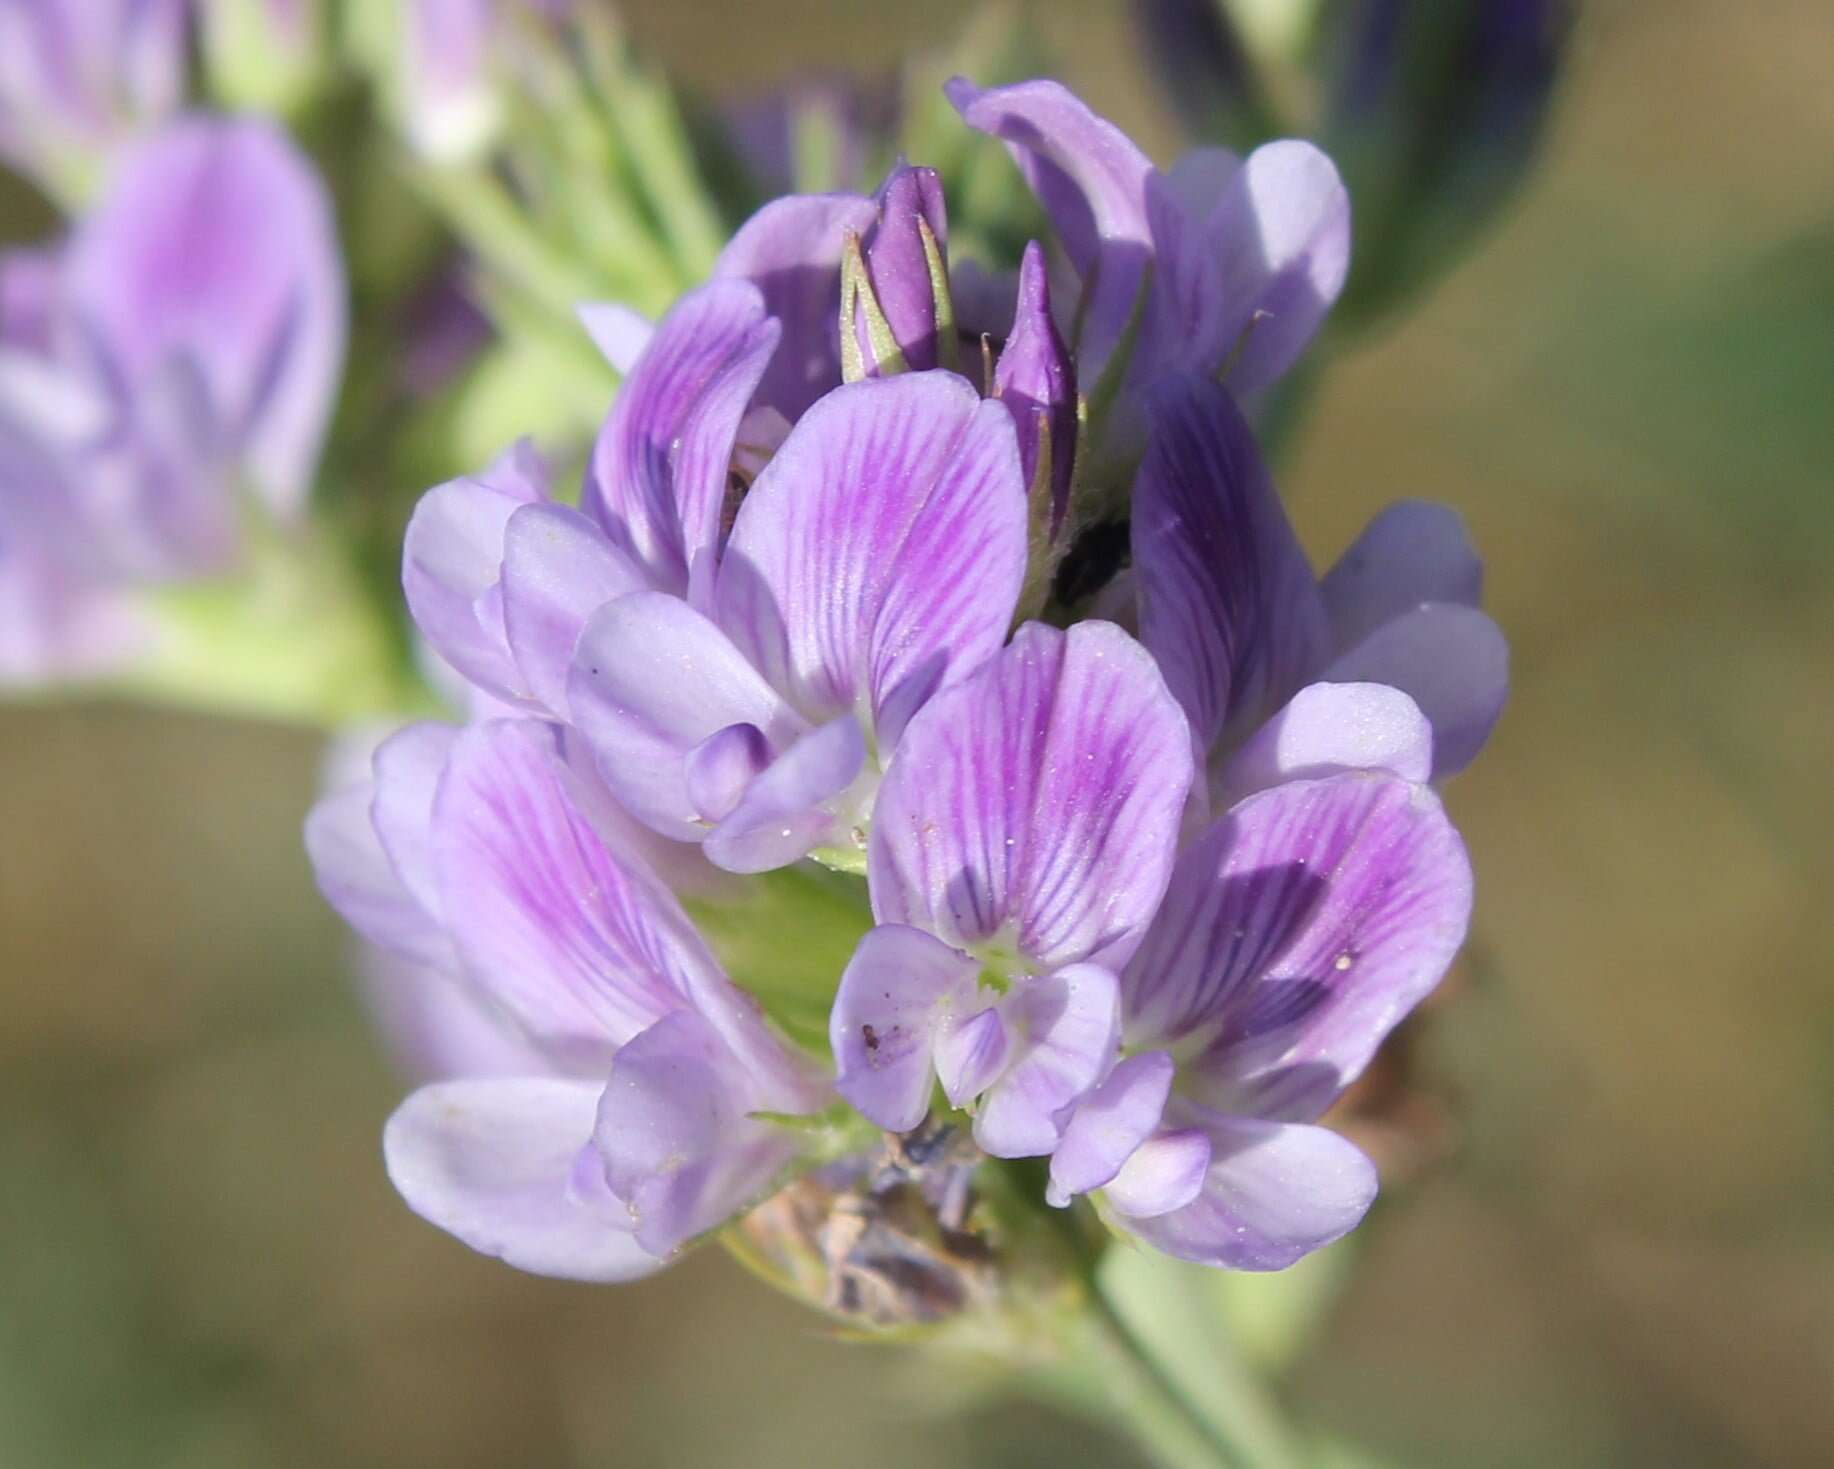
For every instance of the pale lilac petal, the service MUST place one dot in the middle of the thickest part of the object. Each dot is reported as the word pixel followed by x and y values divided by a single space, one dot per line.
pixel 1228 604
pixel 673 1130
pixel 558 569
pixel 357 879
pixel 1042 797
pixel 437 1025
pixel 791 250
pixel 28 297
pixel 581 944
pixel 899 988
pixel 1065 1029
pixel 492 1162
pixel 1164 1173
pixel 1274 1192
pixel 971 1054
pixel 1411 553
pixel 452 564
pixel 721 766
pixel 783 814
pixel 1453 661
pixel 408 766
pixel 651 679
pixel 1280 234
pixel 1092 182
pixel 1110 1125
pixel 1296 933
pixel 657 481
pixel 215 244
pixel 620 332
pixel 879 555
pixel 1328 728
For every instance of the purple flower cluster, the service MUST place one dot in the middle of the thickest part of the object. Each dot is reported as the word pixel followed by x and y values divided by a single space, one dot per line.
pixel 181 344
pixel 1145 893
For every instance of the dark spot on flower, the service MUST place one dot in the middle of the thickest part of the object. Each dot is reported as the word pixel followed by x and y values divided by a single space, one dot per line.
pixel 870 1036
pixel 1090 564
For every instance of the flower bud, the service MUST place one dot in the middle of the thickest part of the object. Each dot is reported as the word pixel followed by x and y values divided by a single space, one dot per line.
pixel 78 77
pixel 265 55
pixel 896 313
pixel 1036 380
pixel 1434 114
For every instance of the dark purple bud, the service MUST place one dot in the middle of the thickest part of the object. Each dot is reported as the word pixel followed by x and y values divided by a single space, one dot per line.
pixel 1036 380
pixel 896 314
pixel 1194 51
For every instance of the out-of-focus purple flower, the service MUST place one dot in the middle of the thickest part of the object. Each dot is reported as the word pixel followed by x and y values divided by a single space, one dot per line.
pixel 1230 607
pixel 445 331
pixel 78 77
pixel 1036 380
pixel 603 1071
pixel 451 78
pixel 449 97
pixel 1198 57
pixel 829 124
pixel 1221 263
pixel 895 306
pixel 182 344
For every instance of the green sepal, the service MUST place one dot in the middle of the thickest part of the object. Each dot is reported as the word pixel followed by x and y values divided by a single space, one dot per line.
pixel 859 299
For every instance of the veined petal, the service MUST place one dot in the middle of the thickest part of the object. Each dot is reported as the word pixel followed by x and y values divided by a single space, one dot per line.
pixel 657 480
pixel 651 679
pixel 581 944
pixel 1065 1029
pixel 880 553
pixel 493 1163
pixel 408 765
pixel 899 989
pixel 1328 728
pixel 1296 933
pixel 675 1136
pixel 783 815
pixel 1453 661
pixel 215 244
pixel 357 879
pixel 452 562
pixel 1037 803
pixel 1411 553
pixel 1110 1124
pixel 791 250
pixel 1228 604
pixel 1092 181
pixel 559 568
pixel 1273 1192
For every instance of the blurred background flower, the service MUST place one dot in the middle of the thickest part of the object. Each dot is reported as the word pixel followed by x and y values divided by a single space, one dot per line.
pixel 1618 378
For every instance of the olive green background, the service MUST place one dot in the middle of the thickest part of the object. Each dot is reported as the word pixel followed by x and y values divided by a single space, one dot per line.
pixel 1628 388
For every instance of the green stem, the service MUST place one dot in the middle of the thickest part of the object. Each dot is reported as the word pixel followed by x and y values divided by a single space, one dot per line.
pixel 1155 1406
